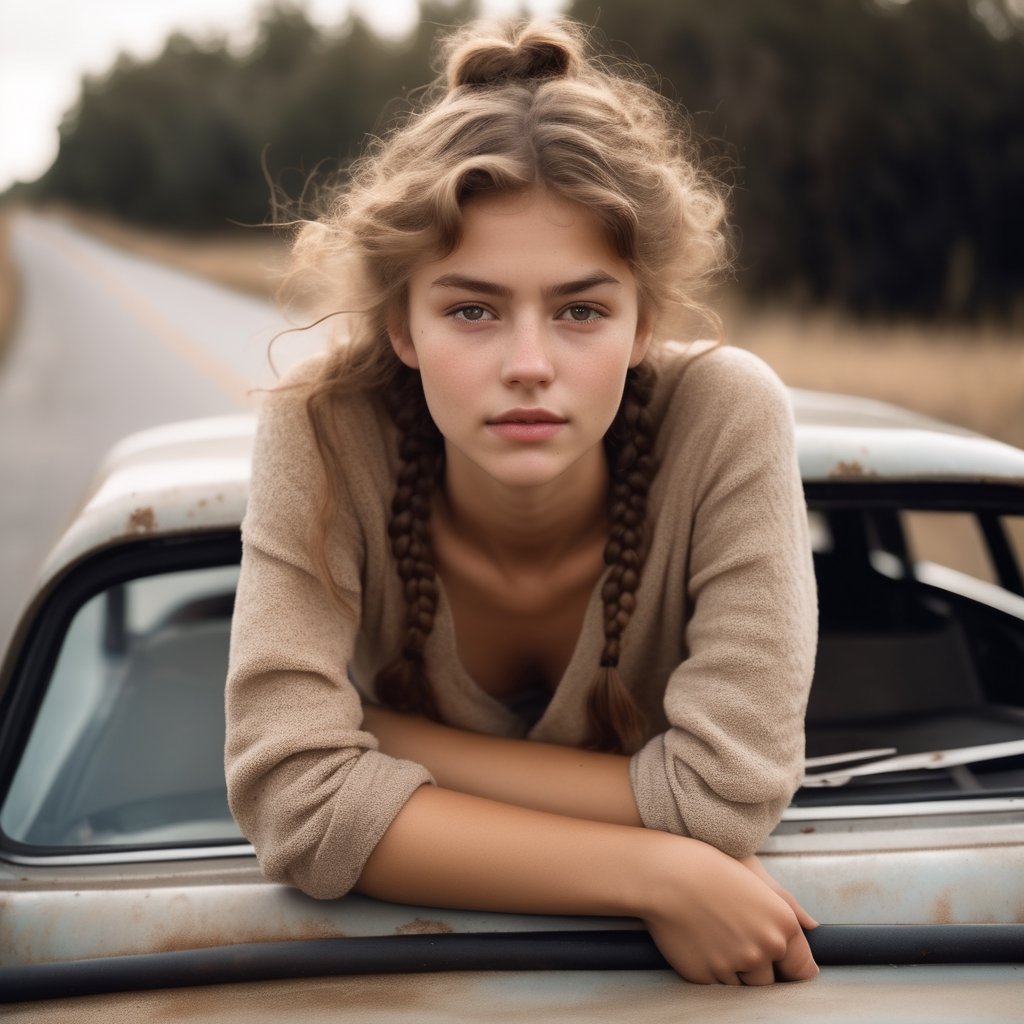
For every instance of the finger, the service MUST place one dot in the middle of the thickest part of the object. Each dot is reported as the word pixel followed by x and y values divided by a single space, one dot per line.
pixel 700 977
pixel 807 922
pixel 726 978
pixel 798 963
pixel 805 919
pixel 758 976
pixel 754 865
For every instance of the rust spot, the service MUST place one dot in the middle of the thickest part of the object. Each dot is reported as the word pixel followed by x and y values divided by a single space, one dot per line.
pixel 855 893
pixel 202 503
pixel 808 829
pixel 850 469
pixel 936 756
pixel 229 935
pixel 942 910
pixel 142 520
pixel 423 926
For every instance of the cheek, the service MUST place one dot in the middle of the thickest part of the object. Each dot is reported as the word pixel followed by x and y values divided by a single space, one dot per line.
pixel 451 388
pixel 603 378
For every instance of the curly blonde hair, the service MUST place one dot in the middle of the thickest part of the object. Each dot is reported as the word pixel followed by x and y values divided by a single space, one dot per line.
pixel 518 105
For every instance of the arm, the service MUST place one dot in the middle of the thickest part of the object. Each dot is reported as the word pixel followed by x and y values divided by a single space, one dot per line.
pixel 542 776
pixel 307 786
pixel 710 916
pixel 728 765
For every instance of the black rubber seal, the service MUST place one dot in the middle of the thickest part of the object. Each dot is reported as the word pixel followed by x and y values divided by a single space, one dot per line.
pixel 616 950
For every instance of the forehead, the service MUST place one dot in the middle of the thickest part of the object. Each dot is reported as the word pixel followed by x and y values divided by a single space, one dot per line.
pixel 536 231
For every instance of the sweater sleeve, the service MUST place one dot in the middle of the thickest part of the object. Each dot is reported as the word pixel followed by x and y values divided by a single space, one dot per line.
pixel 732 757
pixel 306 785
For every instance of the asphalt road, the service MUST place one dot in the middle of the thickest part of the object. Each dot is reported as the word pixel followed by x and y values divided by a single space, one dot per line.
pixel 107 343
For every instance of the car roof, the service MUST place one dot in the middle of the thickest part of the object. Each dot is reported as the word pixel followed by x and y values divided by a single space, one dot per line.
pixel 193 476
pixel 843 437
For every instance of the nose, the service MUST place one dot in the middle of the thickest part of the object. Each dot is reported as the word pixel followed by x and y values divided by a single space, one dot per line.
pixel 526 359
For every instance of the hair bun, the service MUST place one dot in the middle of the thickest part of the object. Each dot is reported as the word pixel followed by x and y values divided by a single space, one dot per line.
pixel 513 52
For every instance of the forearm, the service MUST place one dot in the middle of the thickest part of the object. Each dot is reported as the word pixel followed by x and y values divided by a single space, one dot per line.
pixel 541 776
pixel 454 849
pixel 710 916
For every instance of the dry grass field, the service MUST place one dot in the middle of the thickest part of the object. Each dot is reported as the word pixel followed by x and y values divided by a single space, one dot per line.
pixel 969 375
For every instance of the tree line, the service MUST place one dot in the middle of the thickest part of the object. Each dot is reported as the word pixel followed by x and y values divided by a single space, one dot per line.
pixel 874 148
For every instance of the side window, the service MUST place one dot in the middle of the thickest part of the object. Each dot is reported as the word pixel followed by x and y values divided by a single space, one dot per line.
pixel 127 747
pixel 819 531
pixel 1014 527
pixel 951 539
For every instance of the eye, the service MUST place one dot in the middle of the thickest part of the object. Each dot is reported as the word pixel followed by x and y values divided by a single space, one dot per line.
pixel 580 313
pixel 471 314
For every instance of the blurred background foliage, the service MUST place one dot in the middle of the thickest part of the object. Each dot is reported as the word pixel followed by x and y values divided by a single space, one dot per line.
pixel 875 147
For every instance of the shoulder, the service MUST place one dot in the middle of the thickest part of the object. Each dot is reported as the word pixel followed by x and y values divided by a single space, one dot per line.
pixel 715 406
pixel 311 389
pixel 702 368
pixel 705 386
pixel 310 423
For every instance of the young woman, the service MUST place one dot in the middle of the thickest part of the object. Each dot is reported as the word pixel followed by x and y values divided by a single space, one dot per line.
pixel 526 619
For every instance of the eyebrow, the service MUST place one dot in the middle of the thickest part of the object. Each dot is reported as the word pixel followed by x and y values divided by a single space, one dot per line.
pixel 472 284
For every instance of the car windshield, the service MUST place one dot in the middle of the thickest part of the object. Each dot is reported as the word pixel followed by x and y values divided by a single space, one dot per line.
pixel 921 651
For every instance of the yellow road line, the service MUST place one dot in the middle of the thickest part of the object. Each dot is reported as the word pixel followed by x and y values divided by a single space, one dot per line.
pixel 222 376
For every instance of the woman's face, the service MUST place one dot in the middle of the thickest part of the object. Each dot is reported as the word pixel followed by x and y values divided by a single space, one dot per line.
pixel 522 337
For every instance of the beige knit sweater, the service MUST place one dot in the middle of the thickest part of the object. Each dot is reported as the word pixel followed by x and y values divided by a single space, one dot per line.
pixel 719 651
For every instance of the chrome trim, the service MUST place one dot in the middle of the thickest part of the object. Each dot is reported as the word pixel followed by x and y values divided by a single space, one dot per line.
pixel 61 860
pixel 943 577
pixel 922 808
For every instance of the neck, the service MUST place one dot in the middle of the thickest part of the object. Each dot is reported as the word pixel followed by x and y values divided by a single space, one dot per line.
pixel 527 526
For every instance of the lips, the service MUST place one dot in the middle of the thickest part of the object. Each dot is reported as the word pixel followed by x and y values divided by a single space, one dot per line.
pixel 527 425
pixel 528 416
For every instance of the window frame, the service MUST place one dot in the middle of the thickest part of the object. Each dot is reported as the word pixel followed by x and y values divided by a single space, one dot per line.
pixel 30 664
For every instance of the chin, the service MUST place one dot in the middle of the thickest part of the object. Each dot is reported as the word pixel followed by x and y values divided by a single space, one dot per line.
pixel 527 473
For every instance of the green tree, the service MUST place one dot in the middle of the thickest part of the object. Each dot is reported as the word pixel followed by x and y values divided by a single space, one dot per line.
pixel 875 145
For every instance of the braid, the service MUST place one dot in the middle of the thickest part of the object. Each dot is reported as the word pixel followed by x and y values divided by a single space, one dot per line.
pixel 403 684
pixel 616 722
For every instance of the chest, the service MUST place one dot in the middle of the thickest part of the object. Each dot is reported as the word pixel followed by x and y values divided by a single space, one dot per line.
pixel 516 630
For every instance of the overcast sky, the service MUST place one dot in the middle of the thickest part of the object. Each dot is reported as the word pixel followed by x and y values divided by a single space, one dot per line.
pixel 46 46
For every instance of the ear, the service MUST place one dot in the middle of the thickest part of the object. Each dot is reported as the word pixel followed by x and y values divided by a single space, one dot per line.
pixel 642 341
pixel 401 341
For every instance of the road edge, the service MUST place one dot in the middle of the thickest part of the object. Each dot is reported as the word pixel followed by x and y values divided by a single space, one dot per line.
pixel 10 284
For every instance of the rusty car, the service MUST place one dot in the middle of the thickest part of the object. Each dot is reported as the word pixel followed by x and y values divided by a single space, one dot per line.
pixel 128 893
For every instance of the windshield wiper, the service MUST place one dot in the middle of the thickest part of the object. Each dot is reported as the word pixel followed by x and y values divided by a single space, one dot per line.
pixel 930 759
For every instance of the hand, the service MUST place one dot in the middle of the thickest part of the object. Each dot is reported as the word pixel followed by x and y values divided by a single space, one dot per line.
pixel 798 954
pixel 753 864
pixel 723 920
